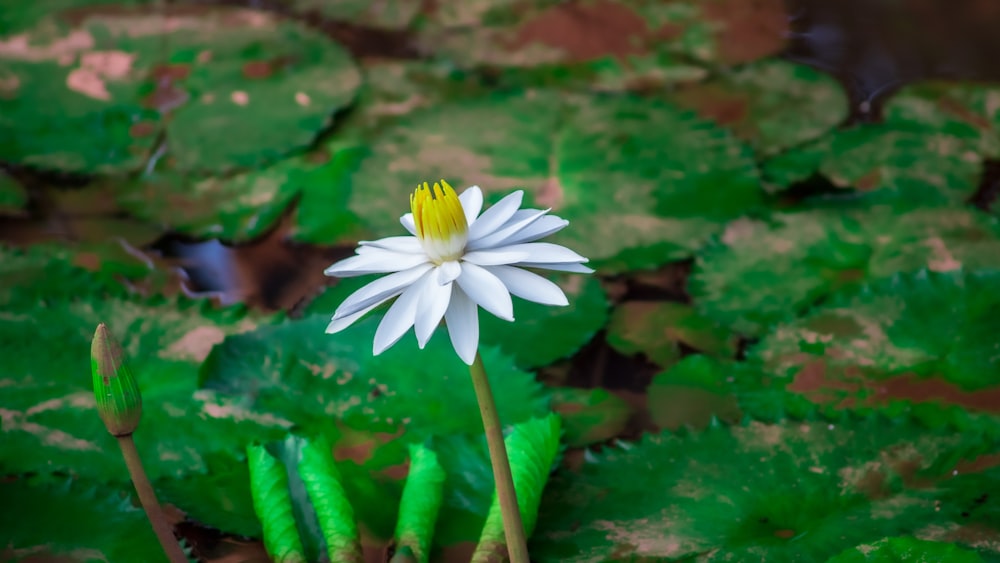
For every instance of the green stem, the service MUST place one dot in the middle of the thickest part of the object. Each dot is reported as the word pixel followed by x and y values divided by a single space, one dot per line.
pixel 517 545
pixel 164 532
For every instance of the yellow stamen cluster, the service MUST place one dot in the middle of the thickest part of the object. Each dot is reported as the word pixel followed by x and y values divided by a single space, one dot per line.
pixel 437 212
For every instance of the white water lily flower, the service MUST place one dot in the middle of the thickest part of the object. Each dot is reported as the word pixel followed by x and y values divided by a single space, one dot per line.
pixel 455 261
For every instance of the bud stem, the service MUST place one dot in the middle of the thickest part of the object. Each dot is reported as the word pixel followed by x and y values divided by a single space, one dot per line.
pixel 517 545
pixel 164 532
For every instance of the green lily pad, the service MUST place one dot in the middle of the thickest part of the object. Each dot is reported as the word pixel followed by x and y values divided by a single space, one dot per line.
pixel 13 196
pixel 590 416
pixel 944 105
pixel 658 329
pixel 664 188
pixel 542 334
pixel 241 88
pixel 297 372
pixel 772 104
pixel 761 272
pixel 798 491
pixel 922 153
pixel 906 550
pixel 248 205
pixel 694 393
pixel 928 335
pixel 50 421
pixel 511 33
pixel 71 520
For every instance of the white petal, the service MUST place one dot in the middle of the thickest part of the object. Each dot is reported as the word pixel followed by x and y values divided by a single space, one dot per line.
pixel 494 217
pixel 448 271
pixel 542 228
pixel 338 324
pixel 462 321
pixel 530 286
pixel 404 245
pixel 374 261
pixel 472 203
pixel 557 267
pixel 409 224
pixel 521 219
pixel 492 257
pixel 433 303
pixel 400 317
pixel 487 290
pixel 541 252
pixel 380 290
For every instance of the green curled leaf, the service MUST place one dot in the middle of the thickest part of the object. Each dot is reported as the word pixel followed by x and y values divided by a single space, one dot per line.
pixel 532 448
pixel 418 509
pixel 329 501
pixel 272 502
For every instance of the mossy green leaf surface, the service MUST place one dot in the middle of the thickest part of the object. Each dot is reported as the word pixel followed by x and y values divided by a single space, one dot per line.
pixel 672 177
pixel 906 550
pixel 760 272
pixel 219 73
pixel 772 104
pixel 788 492
pixel 657 329
pixel 925 336
pixel 74 520
pixel 589 415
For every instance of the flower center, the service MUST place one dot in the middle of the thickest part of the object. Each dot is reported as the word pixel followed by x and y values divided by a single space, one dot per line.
pixel 440 221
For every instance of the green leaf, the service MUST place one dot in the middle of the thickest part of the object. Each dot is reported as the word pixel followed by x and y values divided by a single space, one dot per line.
pixel 589 416
pixel 797 491
pixel 246 206
pixel 672 178
pixel 272 502
pixel 924 336
pixel 297 372
pixel 241 88
pixel 218 497
pixel 924 152
pixel 13 196
pixel 420 504
pixel 510 33
pixel 762 272
pixel 694 394
pixel 73 520
pixel 906 550
pixel 323 485
pixel 772 104
pixel 657 329
pixel 563 330
pixel 532 448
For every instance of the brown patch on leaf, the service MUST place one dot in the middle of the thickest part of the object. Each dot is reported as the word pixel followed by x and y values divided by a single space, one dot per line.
pixel 359 446
pixel 719 104
pixel 586 31
pixel 550 194
pixel 869 181
pixel 87 82
pixel 142 129
pixel 197 343
pixel 941 259
pixel 748 29
pixel 23 48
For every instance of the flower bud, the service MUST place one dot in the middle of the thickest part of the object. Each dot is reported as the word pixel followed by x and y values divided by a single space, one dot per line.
pixel 115 389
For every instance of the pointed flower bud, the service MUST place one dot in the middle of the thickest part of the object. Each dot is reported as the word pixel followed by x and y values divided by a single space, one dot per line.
pixel 115 389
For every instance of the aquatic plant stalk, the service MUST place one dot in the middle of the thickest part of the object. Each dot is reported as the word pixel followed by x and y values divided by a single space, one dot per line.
pixel 517 544
pixel 150 504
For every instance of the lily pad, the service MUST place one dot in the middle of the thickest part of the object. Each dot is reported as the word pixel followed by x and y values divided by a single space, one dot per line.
pixel 246 206
pixel 772 104
pixel 71 520
pixel 930 335
pixel 906 550
pixel 542 334
pixel 761 272
pixel 241 88
pixel 590 416
pixel 760 492
pixel 922 153
pixel 13 196
pixel 642 183
pixel 658 330
pixel 511 33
